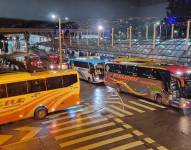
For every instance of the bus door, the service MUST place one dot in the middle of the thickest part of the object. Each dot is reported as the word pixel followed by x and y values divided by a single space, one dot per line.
pixel 175 87
pixel 99 70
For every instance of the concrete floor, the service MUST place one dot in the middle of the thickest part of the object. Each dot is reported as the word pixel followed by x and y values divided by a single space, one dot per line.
pixel 102 121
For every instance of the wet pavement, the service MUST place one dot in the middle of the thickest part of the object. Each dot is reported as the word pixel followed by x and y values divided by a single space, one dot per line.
pixel 102 121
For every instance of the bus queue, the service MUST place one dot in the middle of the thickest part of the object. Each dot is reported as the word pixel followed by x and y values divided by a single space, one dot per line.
pixel 25 95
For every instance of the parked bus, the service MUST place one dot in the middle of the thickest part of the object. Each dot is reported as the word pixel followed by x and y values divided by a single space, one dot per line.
pixel 90 69
pixel 164 83
pixel 23 95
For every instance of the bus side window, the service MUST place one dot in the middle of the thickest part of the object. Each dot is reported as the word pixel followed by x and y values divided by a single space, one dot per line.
pixel 117 69
pixel 3 91
pixel 156 74
pixel 129 70
pixel 36 85
pixel 54 83
pixel 18 88
pixel 69 80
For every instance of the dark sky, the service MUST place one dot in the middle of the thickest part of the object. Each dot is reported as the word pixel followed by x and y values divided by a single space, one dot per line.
pixel 74 9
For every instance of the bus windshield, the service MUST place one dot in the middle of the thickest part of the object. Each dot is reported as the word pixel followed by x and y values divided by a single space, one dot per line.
pixel 99 68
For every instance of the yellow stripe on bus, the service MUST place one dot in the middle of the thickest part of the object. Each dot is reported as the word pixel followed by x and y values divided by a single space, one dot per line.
pixel 64 135
pixel 104 142
pixel 90 137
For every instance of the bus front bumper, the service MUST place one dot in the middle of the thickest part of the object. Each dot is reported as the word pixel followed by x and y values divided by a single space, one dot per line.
pixel 181 103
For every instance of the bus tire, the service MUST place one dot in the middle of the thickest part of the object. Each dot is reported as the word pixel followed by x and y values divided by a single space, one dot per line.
pixel 158 98
pixel 40 113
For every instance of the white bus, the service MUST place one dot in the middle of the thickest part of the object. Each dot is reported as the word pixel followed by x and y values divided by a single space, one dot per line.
pixel 90 69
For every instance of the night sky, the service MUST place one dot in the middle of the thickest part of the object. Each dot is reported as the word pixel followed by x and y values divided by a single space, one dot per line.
pixel 78 9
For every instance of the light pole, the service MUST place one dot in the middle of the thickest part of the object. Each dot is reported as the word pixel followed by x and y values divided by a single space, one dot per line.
pixel 100 28
pixel 60 37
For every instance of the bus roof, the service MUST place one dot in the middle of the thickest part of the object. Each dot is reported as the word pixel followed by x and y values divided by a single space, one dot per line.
pixel 173 68
pixel 95 60
pixel 24 76
pixel 136 60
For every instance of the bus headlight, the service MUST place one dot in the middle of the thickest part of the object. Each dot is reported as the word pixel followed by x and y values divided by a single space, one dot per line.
pixel 96 78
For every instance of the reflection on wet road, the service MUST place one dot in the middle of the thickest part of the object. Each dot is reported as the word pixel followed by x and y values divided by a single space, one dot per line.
pixel 104 120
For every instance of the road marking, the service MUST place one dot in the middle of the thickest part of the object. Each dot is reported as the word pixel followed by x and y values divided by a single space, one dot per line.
pixel 33 131
pixel 127 126
pixel 110 98
pixel 4 138
pixel 162 148
pixel 127 106
pixel 121 110
pixel 153 104
pixel 77 109
pixel 118 120
pixel 104 142
pixel 78 125
pixel 89 110
pixel 149 140
pixel 84 130
pixel 128 146
pixel 73 121
pixel 137 133
pixel 141 105
pixel 114 112
pixel 90 137
pixel 133 108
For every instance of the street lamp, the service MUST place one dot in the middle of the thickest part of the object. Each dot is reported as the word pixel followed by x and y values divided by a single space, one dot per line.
pixel 66 18
pixel 100 27
pixel 60 36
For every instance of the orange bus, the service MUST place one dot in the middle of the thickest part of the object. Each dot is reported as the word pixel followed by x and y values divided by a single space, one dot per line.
pixel 168 84
pixel 24 95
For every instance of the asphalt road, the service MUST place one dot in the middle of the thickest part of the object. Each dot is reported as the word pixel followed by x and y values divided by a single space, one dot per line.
pixel 104 120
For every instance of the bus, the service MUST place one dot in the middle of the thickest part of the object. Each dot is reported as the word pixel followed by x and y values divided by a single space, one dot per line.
pixel 24 95
pixel 90 69
pixel 168 84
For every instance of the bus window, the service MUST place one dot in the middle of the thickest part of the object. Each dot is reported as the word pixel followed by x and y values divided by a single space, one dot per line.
pixel 17 88
pixel 54 83
pixel 118 69
pixel 3 91
pixel 131 70
pixel 156 74
pixel 36 86
pixel 69 80
pixel 84 65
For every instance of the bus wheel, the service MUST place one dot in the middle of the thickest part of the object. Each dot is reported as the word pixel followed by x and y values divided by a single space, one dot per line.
pixel 158 99
pixel 40 113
